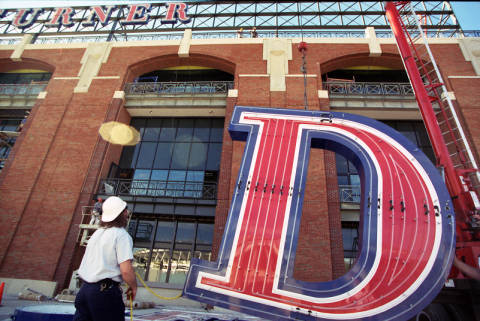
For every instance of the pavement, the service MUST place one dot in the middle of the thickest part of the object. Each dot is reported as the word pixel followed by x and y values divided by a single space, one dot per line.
pixel 184 309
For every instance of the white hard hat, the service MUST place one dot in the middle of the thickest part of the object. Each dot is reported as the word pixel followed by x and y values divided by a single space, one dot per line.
pixel 112 207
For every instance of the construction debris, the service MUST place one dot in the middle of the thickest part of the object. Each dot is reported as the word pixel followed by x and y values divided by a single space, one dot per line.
pixel 32 295
pixel 66 296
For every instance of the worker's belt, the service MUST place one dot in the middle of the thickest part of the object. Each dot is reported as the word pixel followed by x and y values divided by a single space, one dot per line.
pixel 105 284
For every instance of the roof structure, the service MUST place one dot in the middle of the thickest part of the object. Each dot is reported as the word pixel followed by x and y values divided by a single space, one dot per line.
pixel 296 17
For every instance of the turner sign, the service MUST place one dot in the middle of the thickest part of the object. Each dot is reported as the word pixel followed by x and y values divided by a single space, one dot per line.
pixel 136 14
pixel 407 223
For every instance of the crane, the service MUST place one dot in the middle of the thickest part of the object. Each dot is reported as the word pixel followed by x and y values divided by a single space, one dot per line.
pixel 450 143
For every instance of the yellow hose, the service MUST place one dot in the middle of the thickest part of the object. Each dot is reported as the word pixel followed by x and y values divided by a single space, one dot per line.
pixel 131 308
pixel 150 290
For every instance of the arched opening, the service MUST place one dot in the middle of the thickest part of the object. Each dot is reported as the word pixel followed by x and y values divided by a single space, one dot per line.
pixel 185 74
pixel 20 83
pixel 367 73
pixel 170 177
pixel 182 80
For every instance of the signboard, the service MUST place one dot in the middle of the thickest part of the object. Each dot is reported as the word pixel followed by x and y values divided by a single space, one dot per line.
pixel 407 222
pixel 137 14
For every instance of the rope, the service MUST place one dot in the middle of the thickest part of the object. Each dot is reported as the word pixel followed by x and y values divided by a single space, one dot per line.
pixel 150 290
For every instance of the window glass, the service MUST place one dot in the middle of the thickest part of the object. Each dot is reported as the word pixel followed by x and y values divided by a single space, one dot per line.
pixel 173 144
pixel 152 129
pixel 176 183
pixel 415 131
pixel 430 154
pixel 142 174
pixel 216 132
pixel 159 175
pixel 159 265
pixel 342 164
pixel 180 156
pixel 185 130
pixel 139 124
pixel 177 175
pixel 179 265
pixel 132 225
pixel 146 155
pixel 198 156
pixel 163 155
pixel 165 231
pixel 351 168
pixel 24 78
pixel 201 132
pixel 203 255
pixel 195 176
pixel 205 233
pixel 155 261
pixel 126 161
pixel 350 239
pixel 157 185
pixel 9 125
pixel 141 255
pixel 145 231
pixel 169 129
pixel 185 233
pixel 194 185
pixel 214 154
pixel 411 136
pixel 343 180
pixel 354 180
pixel 139 185
pixel 422 135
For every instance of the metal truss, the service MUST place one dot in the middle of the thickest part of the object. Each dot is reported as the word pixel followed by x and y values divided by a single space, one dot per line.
pixel 232 15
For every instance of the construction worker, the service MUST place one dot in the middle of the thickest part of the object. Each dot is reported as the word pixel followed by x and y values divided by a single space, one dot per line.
pixel 107 260
pixel 97 211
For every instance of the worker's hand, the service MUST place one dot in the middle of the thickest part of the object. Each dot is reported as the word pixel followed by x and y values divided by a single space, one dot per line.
pixel 131 293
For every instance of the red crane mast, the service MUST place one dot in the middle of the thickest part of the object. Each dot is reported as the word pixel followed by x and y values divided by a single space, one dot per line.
pixel 449 142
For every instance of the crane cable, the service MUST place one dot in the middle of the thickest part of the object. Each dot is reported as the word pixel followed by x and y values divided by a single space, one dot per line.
pixel 151 291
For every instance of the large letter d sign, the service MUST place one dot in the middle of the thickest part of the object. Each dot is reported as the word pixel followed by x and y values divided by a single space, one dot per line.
pixel 407 223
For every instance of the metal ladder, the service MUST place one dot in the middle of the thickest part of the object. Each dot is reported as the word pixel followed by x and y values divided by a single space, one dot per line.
pixel 87 226
pixel 454 138
pixel 86 229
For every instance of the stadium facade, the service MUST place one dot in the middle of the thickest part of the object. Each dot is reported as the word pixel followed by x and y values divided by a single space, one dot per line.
pixel 176 77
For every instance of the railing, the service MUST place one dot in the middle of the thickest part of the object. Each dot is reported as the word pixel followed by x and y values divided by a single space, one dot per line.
pixel 10 40
pixel 105 38
pixel 179 88
pixel 368 88
pixel 70 39
pixel 21 89
pixel 349 194
pixel 214 34
pixel 151 188
pixel 146 37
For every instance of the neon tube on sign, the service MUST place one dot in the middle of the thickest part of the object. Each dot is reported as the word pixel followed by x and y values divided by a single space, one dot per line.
pixel 407 222
pixel 137 14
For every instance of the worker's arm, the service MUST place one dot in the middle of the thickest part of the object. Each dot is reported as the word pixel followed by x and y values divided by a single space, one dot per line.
pixel 128 275
pixel 466 269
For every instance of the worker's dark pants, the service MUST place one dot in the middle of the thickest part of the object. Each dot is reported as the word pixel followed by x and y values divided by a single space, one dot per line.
pixel 97 302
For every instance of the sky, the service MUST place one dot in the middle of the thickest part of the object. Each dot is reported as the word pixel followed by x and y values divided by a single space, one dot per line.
pixel 464 10
pixel 467 13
